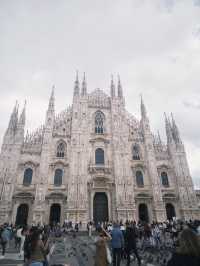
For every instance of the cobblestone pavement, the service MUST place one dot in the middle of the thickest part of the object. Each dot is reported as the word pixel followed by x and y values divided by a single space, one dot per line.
pixel 80 251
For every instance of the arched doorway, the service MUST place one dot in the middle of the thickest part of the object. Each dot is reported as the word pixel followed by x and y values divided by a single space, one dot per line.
pixel 143 213
pixel 100 207
pixel 55 212
pixel 22 214
pixel 170 211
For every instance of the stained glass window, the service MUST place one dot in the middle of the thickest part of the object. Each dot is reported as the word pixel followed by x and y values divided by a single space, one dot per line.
pixel 28 174
pixel 99 122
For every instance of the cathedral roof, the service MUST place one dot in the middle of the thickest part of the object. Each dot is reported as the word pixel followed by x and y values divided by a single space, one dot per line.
pixel 99 99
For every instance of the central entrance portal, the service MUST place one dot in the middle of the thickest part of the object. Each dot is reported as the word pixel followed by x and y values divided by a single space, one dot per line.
pixel 54 214
pixel 143 213
pixel 22 215
pixel 100 207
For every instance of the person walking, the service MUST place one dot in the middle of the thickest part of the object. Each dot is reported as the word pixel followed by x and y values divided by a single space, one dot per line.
pixel 38 250
pixel 101 257
pixel 117 244
pixel 130 243
pixel 5 236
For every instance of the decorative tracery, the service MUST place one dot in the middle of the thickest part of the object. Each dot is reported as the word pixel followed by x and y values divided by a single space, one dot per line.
pixel 99 122
pixel 60 150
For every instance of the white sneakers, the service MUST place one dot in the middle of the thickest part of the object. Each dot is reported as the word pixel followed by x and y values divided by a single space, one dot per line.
pixel 2 257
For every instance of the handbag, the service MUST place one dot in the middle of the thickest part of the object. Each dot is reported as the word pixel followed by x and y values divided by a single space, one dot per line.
pixel 108 254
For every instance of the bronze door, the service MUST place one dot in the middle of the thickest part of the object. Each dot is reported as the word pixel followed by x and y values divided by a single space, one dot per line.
pixel 22 215
pixel 100 207
pixel 55 214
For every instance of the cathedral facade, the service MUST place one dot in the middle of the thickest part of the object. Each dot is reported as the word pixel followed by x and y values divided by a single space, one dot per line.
pixel 93 161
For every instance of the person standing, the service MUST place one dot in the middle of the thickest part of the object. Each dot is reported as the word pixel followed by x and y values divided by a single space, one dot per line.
pixel 101 241
pixel 130 243
pixel 117 244
pixel 38 249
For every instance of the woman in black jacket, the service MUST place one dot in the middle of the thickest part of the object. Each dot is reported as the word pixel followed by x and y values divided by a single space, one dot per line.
pixel 188 252
pixel 130 243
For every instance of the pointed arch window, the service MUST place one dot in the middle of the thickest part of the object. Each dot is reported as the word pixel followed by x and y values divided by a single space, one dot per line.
pixel 136 152
pixel 60 150
pixel 99 122
pixel 28 174
pixel 139 179
pixel 164 179
pixel 58 177
pixel 99 156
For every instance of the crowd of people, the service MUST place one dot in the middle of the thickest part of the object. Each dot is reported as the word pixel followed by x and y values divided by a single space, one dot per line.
pixel 181 238
pixel 115 241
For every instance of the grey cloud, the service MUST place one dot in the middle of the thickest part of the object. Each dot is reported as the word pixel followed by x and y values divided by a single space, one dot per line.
pixel 191 105
pixel 150 43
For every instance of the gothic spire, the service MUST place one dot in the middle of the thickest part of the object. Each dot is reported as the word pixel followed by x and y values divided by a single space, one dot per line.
pixel 175 131
pixel 168 129
pixel 13 118
pixel 143 109
pixel 159 138
pixel 119 87
pixel 22 118
pixel 112 87
pixel 76 85
pixel 84 86
pixel 51 107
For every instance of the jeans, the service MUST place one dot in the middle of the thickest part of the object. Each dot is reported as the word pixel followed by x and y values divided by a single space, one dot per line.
pixel 117 256
pixel 36 263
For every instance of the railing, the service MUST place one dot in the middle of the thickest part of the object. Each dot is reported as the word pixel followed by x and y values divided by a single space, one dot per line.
pixel 99 168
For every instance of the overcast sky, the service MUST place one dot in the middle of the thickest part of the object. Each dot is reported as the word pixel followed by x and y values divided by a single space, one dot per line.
pixel 153 44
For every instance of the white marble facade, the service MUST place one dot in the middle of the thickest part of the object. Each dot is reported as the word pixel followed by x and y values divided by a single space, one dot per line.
pixel 94 157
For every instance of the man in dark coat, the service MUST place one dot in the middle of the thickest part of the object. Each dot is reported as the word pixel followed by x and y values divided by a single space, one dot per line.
pixel 130 243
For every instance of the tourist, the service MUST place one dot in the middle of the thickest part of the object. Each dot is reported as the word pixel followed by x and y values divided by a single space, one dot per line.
pixel 102 251
pixel 117 244
pixel 5 236
pixel 27 245
pixel 130 243
pixel 89 226
pixel 38 250
pixel 188 251
pixel 21 249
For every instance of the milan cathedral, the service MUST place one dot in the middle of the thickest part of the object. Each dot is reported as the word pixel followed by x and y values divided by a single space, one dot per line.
pixel 94 162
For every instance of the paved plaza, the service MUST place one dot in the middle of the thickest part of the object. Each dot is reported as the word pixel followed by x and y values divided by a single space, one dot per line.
pixel 79 250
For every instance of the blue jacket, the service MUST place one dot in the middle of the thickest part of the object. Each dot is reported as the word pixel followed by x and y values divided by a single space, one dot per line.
pixel 5 235
pixel 117 238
